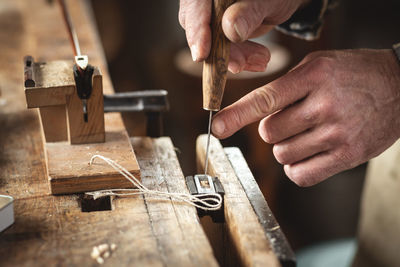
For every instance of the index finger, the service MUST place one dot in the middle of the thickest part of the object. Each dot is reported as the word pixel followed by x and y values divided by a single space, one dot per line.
pixel 261 102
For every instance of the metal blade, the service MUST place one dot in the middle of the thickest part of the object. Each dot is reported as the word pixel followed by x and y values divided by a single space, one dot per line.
pixel 208 142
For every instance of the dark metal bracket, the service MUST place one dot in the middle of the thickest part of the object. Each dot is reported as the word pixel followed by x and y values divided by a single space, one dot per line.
pixel 203 184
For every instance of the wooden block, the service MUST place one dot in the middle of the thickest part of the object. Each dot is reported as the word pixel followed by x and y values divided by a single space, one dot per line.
pixel 69 171
pixel 92 131
pixel 54 123
pixel 175 225
pixel 55 86
pixel 243 227
pixel 54 80
pixel 272 229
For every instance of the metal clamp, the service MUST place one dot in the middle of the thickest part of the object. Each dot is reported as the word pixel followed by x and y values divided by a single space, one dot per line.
pixel 205 184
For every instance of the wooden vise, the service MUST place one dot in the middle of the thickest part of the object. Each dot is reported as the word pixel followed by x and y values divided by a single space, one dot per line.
pixel 70 140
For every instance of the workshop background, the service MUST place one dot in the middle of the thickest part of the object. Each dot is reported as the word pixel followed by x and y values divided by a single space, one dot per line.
pixel 146 49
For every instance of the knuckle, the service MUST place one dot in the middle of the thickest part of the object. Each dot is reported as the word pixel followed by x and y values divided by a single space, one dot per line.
pixel 311 56
pixel 236 119
pixel 321 68
pixel 310 116
pixel 266 100
pixel 345 158
pixel 326 108
pixel 332 135
pixel 256 11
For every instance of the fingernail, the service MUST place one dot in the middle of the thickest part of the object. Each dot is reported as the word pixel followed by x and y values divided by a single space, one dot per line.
pixel 234 67
pixel 195 52
pixel 241 27
pixel 218 127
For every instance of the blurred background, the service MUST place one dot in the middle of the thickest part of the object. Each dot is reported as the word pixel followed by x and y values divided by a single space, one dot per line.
pixel 146 49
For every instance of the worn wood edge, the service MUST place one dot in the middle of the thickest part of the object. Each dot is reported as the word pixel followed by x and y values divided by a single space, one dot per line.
pixel 272 230
pixel 91 182
pixel 68 185
pixel 241 220
pixel 34 97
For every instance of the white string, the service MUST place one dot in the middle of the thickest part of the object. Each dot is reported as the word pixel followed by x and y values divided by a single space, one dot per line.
pixel 210 201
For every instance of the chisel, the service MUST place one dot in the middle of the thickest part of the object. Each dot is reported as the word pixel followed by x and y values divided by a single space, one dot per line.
pixel 215 66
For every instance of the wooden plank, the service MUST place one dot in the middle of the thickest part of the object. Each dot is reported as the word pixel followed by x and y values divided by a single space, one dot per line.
pixel 52 230
pixel 272 230
pixel 242 224
pixel 68 168
pixel 53 81
pixel 176 227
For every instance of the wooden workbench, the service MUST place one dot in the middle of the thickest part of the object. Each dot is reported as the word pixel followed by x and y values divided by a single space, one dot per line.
pixel 53 230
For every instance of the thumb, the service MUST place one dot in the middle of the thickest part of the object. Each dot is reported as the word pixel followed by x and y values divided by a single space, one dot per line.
pixel 260 103
pixel 243 19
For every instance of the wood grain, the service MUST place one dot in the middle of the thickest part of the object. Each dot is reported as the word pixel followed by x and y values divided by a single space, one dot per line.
pixel 176 225
pixel 69 170
pixel 53 121
pixel 51 230
pixel 92 131
pixel 272 230
pixel 215 67
pixel 54 81
pixel 242 224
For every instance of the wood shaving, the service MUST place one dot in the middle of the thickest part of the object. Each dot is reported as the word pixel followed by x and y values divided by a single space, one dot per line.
pixel 102 251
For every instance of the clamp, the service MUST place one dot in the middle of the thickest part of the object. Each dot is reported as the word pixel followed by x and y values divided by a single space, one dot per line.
pixel 201 184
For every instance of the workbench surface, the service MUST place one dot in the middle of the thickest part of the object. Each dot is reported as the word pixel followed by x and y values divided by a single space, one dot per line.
pixel 52 230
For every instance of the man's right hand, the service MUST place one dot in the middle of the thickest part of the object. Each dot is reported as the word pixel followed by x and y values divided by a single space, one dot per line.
pixel 243 20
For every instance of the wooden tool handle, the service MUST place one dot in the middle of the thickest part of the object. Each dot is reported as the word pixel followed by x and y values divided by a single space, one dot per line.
pixel 216 65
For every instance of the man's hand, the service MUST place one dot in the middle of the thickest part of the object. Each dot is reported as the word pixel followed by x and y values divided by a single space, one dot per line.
pixel 242 20
pixel 333 111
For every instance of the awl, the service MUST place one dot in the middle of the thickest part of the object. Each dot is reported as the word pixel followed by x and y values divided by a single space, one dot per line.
pixel 215 67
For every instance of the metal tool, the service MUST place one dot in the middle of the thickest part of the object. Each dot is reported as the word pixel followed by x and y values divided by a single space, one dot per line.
pixel 6 211
pixel 152 102
pixel 205 184
pixel 215 66
pixel 82 70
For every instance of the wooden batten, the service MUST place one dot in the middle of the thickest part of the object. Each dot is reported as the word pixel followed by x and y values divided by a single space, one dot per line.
pixel 248 238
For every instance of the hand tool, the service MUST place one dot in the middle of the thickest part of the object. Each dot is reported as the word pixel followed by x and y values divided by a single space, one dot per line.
pixel 82 70
pixel 214 78
pixel 6 211
pixel 215 66
pixel 205 184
